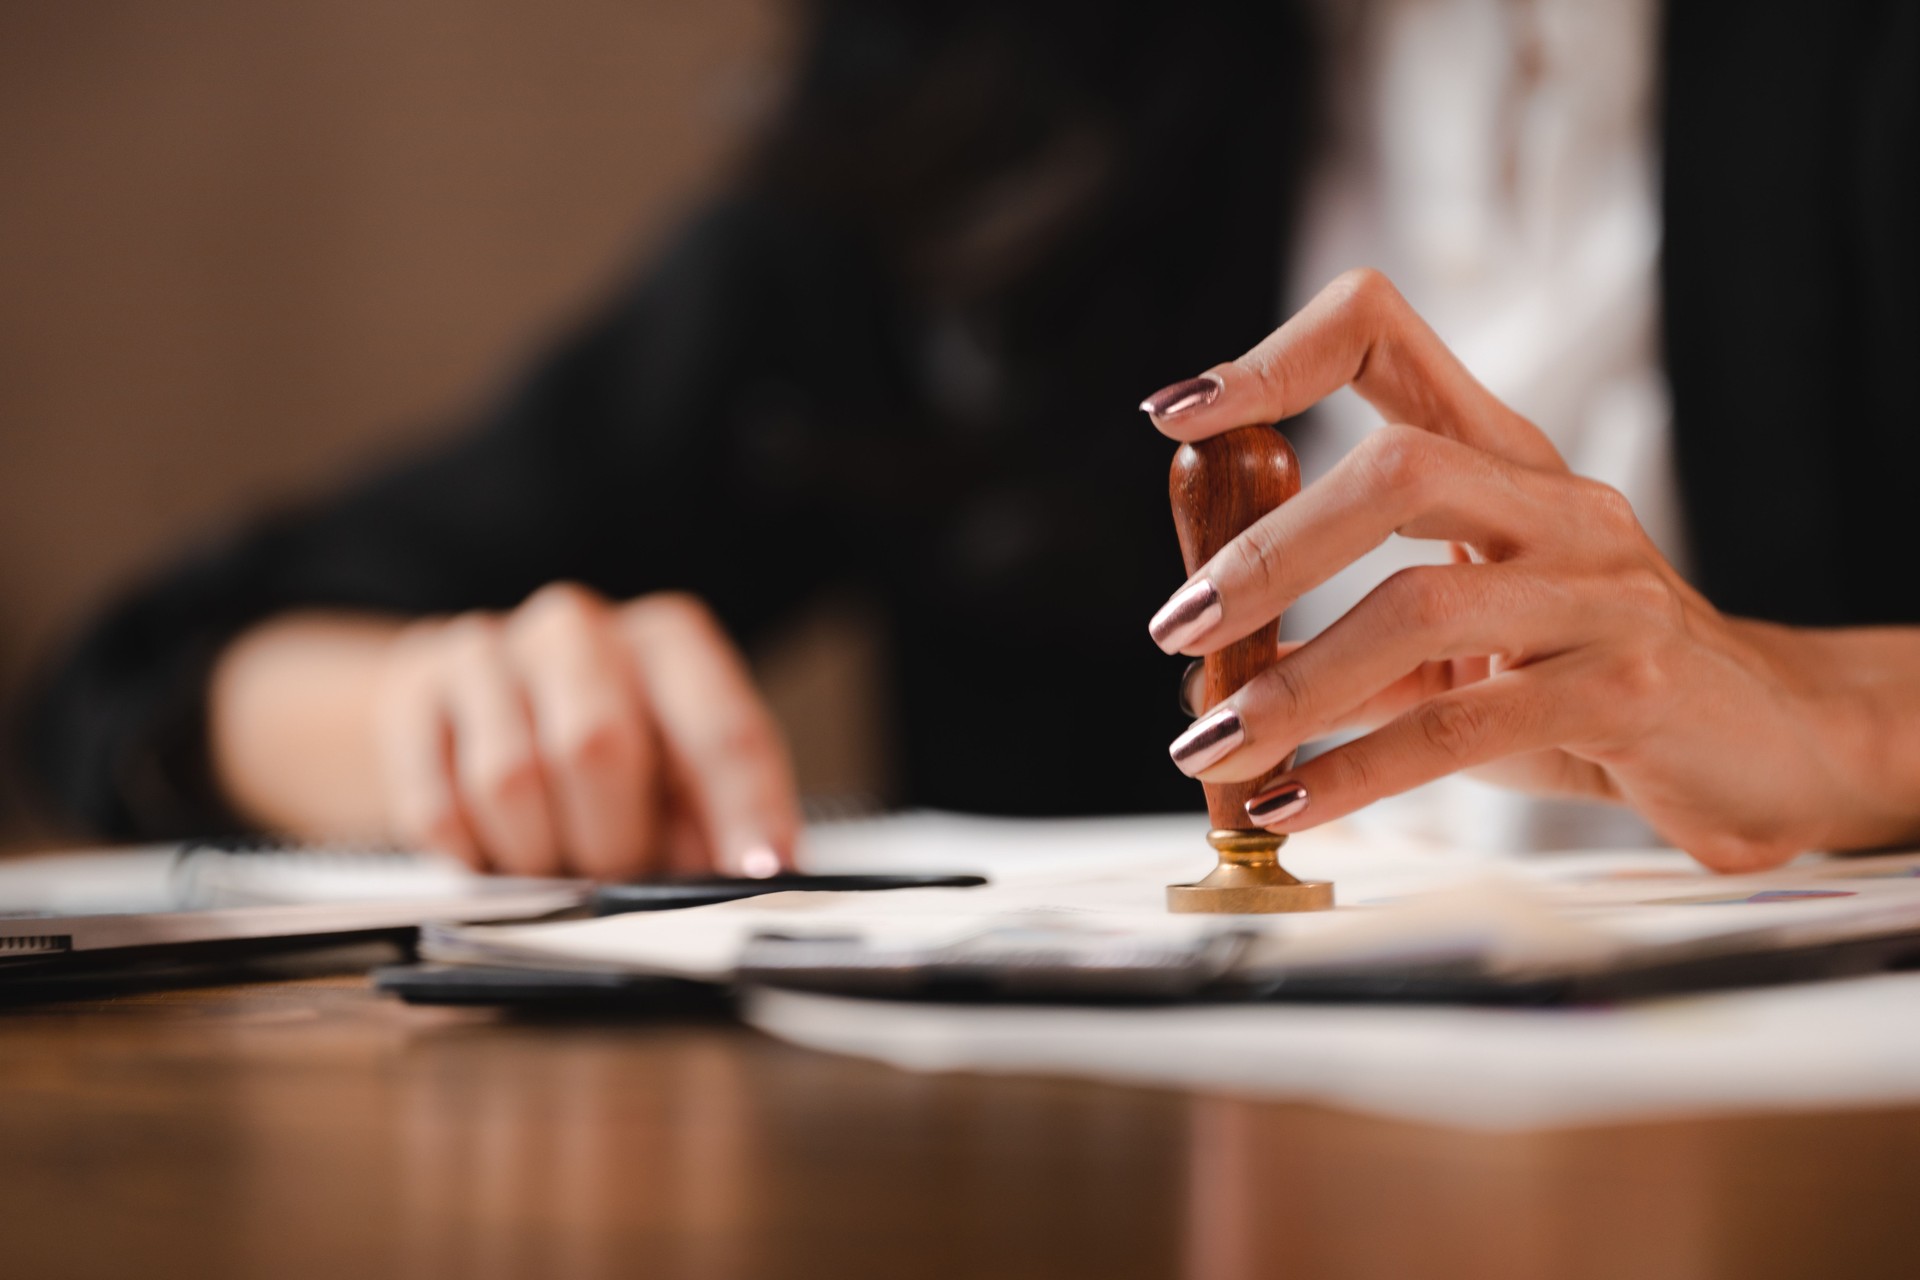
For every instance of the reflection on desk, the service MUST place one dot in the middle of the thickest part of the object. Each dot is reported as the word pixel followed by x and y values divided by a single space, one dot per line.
pixel 307 1128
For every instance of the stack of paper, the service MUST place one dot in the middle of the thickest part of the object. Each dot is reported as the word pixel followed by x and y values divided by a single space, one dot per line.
pixel 1400 908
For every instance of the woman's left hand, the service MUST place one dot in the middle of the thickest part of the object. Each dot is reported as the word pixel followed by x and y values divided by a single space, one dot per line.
pixel 1560 653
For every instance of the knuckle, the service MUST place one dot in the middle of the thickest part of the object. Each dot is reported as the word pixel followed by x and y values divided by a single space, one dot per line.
pixel 1423 598
pixel 604 745
pixel 1637 685
pixel 1647 595
pixel 562 605
pixel 670 609
pixel 1287 693
pixel 1396 459
pixel 1606 508
pixel 1256 556
pixel 1455 728
pixel 1264 365
pixel 1353 772
pixel 1274 366
pixel 1366 290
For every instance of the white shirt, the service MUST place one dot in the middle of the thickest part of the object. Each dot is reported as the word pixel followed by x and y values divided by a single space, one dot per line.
pixel 1498 160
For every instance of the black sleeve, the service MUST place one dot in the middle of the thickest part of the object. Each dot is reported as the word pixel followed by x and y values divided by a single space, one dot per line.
pixel 660 448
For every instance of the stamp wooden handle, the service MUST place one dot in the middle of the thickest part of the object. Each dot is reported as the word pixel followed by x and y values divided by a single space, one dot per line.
pixel 1218 487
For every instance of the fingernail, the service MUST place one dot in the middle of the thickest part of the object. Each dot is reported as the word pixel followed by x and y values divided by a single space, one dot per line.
pixel 759 863
pixel 1183 397
pixel 1211 739
pixel 1193 611
pixel 1190 691
pixel 1278 804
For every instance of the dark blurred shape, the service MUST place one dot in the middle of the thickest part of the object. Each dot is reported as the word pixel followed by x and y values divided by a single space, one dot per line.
pixel 902 357
pixel 1790 268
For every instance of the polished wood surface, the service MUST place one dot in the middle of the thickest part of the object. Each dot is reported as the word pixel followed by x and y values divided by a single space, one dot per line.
pixel 311 1128
pixel 1217 488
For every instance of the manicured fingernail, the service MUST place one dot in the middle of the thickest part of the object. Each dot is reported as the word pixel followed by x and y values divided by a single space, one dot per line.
pixel 759 862
pixel 1277 804
pixel 1194 610
pixel 1212 738
pixel 1183 397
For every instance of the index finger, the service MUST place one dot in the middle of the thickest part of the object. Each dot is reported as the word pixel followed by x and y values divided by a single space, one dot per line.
pixel 719 737
pixel 1358 332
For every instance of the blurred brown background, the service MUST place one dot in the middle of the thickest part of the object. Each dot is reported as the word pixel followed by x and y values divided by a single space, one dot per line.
pixel 245 248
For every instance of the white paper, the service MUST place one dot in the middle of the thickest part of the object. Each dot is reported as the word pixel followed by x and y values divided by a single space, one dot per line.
pixel 1853 1043
pixel 1396 904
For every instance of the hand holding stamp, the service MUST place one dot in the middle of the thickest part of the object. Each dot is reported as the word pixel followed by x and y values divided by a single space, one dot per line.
pixel 1218 487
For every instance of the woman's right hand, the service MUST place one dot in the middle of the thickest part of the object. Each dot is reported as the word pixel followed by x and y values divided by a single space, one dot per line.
pixel 571 735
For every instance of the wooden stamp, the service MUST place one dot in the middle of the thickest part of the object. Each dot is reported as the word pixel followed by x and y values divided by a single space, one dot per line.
pixel 1219 487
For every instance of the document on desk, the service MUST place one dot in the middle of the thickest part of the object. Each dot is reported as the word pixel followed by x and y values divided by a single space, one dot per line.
pixel 1097 888
pixel 1400 907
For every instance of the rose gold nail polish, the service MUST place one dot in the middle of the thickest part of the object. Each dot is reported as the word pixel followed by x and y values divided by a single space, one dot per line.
pixel 1212 739
pixel 1183 397
pixel 1277 804
pixel 1194 610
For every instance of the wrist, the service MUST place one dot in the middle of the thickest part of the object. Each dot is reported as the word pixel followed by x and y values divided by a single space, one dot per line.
pixel 1856 694
pixel 290 711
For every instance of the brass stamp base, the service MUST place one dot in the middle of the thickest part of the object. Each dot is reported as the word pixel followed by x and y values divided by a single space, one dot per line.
pixel 1249 880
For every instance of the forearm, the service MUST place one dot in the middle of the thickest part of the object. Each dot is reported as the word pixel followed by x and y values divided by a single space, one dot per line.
pixel 290 724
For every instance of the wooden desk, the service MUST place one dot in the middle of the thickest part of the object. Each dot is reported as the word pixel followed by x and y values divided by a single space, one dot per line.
pixel 311 1128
